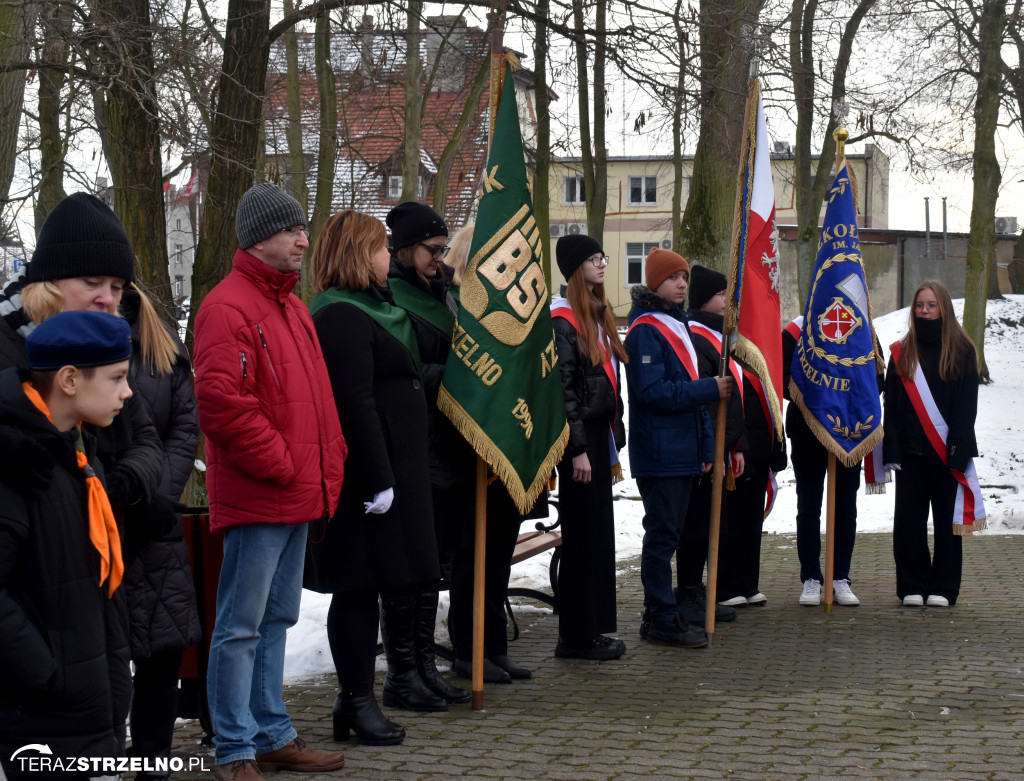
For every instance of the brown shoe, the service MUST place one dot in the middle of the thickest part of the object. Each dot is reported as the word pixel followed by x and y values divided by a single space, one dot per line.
pixel 239 770
pixel 299 757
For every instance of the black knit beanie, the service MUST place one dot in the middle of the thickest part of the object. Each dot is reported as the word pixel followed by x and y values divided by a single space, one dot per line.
pixel 82 237
pixel 571 251
pixel 411 222
pixel 705 284
pixel 263 210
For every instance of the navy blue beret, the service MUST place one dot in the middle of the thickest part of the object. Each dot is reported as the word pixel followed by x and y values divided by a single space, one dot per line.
pixel 80 339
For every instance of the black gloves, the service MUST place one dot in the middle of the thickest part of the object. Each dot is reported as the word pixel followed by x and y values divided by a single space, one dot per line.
pixel 25 465
pixel 123 488
pixel 162 517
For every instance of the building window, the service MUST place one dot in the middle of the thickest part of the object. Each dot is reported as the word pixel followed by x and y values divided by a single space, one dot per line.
pixel 179 287
pixel 395 188
pixel 643 189
pixel 636 254
pixel 177 225
pixel 574 191
pixel 178 252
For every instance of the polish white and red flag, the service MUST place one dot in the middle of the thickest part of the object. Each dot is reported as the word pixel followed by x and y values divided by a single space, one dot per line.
pixel 755 308
pixel 191 188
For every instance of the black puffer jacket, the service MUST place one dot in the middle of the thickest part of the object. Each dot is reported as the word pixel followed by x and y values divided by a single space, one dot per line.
pixel 452 460
pixel 64 673
pixel 588 391
pixel 708 361
pixel 161 595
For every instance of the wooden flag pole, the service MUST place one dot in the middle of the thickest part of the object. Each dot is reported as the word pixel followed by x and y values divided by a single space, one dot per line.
pixel 717 479
pixel 479 552
pixel 830 532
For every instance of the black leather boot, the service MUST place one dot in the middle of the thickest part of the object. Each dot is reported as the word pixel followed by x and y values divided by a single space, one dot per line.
pixel 359 713
pixel 426 620
pixel 404 687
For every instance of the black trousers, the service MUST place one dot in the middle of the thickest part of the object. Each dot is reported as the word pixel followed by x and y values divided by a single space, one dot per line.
pixel 925 483
pixel 739 565
pixel 503 519
pixel 352 622
pixel 810 466
pixel 586 574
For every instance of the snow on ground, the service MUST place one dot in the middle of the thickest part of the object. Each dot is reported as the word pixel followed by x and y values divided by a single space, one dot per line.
pixel 1000 469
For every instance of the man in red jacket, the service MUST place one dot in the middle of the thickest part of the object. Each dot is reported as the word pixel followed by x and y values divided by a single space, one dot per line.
pixel 276 455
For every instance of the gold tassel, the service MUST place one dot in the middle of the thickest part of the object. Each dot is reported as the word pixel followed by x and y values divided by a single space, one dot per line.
pixel 617 476
pixel 730 480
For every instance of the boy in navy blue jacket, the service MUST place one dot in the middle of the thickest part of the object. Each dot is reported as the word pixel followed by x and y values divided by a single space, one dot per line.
pixel 671 439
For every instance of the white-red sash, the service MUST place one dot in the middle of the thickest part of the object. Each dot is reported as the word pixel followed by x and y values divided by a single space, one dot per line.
pixel 560 308
pixel 677 336
pixel 970 505
pixel 715 338
pixel 875 474
pixel 793 329
pixel 770 493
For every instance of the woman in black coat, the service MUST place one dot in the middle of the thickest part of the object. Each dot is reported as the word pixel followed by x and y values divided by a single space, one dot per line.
pixel 589 353
pixel 381 541
pixel 422 286
pixel 162 613
pixel 938 359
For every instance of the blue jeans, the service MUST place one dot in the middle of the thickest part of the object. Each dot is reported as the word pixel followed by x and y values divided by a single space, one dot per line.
pixel 257 601
pixel 665 502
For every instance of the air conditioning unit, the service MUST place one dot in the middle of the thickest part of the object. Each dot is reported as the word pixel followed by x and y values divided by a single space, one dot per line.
pixel 666 243
pixel 576 229
pixel 557 231
pixel 1006 225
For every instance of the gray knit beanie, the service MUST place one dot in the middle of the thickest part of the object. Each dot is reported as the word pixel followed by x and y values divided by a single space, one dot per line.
pixel 263 211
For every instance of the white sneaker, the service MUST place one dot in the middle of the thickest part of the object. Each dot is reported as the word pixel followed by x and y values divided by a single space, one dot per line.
pixel 812 593
pixel 757 599
pixel 843 594
pixel 936 601
pixel 913 600
pixel 733 602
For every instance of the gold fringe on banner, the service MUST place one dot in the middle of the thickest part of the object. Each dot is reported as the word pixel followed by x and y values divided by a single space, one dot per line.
pixel 750 354
pixel 485 447
pixel 617 476
pixel 966 530
pixel 825 437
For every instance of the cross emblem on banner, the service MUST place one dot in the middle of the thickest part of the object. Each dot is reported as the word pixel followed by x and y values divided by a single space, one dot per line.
pixel 838 322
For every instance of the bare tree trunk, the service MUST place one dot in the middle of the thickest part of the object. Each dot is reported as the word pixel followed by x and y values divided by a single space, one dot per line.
pixel 135 163
pixel 50 191
pixel 413 104
pixel 293 134
pixel 677 133
pixel 327 152
pixel 809 196
pixel 981 244
pixel 17 21
pixel 583 86
pixel 541 193
pixel 598 205
pixel 234 140
pixel 725 63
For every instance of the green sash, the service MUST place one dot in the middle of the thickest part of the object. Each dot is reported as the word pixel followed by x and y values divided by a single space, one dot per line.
pixel 423 305
pixel 392 319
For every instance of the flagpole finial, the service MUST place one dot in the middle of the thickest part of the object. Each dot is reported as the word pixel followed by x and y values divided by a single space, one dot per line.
pixel 840 134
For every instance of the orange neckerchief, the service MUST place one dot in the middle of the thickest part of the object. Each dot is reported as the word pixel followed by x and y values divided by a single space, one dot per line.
pixel 102 526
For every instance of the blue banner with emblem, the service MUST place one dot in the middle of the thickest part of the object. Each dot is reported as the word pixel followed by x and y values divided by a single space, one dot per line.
pixel 835 363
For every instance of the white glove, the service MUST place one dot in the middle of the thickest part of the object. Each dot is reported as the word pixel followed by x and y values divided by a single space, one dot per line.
pixel 891 467
pixel 381 502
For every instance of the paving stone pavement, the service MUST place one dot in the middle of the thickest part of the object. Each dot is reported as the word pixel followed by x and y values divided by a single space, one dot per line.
pixel 877 691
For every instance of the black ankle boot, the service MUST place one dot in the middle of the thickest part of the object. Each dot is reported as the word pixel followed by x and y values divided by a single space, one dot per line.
pixel 426 620
pixel 360 714
pixel 404 687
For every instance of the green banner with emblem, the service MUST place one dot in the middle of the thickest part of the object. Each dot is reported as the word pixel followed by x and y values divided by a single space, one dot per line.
pixel 501 386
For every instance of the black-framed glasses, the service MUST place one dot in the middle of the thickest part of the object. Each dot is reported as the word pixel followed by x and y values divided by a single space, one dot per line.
pixel 437 253
pixel 297 232
pixel 599 261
